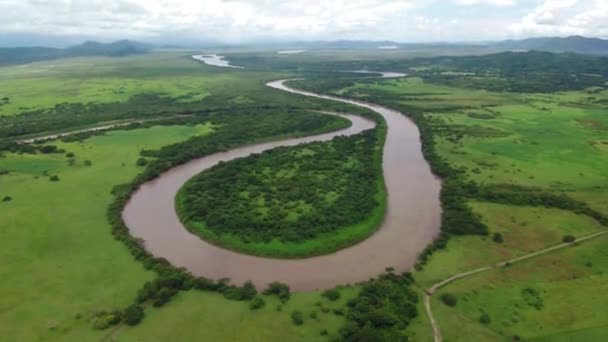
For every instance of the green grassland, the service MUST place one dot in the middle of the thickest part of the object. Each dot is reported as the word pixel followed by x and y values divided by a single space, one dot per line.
pixel 548 142
pixel 61 264
pixel 42 85
pixel 210 317
pixel 59 258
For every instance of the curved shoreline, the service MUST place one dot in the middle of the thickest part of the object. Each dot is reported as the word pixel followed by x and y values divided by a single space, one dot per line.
pixel 412 219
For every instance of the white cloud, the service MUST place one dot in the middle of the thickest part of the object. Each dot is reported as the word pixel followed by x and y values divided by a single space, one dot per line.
pixel 239 20
pixel 565 17
pixel 485 2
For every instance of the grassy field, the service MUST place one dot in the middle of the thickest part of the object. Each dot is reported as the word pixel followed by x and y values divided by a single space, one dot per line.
pixel 59 258
pixel 210 317
pixel 42 85
pixel 549 142
pixel 57 231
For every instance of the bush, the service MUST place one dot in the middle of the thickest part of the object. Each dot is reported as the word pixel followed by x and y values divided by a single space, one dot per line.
pixel 569 239
pixel 324 332
pixel 70 155
pixel 54 178
pixel 449 299
pixel 297 317
pixel 497 238
pixel 88 163
pixel 484 319
pixel 47 149
pixel 7 199
pixel 3 171
pixel 133 315
pixel 332 294
pixel 141 162
pixel 257 303
pixel 279 289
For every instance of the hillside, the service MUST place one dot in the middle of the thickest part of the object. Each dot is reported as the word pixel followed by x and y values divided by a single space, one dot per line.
pixel 22 55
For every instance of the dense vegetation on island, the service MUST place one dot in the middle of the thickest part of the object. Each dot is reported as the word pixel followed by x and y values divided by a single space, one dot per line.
pixel 299 196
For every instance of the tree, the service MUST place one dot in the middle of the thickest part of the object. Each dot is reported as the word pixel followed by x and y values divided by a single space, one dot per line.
pixel 141 162
pixel 332 294
pixel 257 303
pixel 497 238
pixel 133 315
pixel 297 317
pixel 279 289
pixel 484 319
pixel 449 299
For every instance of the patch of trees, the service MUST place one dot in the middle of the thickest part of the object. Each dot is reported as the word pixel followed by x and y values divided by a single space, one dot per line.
pixel 382 310
pixel 159 105
pixel 14 147
pixel 291 193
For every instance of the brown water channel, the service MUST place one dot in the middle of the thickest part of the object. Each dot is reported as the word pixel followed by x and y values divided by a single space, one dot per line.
pixel 412 219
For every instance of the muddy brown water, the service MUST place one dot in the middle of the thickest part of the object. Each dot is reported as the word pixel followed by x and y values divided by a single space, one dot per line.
pixel 411 223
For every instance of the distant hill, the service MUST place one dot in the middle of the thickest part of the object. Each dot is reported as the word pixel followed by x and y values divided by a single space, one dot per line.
pixel 22 55
pixel 577 44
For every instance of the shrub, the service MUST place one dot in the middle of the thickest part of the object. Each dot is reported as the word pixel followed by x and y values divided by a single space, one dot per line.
pixel 7 199
pixel 449 299
pixel 339 312
pixel 46 149
pixel 324 332
pixel 133 315
pixel 257 303
pixel 279 289
pixel 569 239
pixel 484 319
pixel 70 155
pixel 3 172
pixel 54 178
pixel 497 238
pixel 297 317
pixel 332 294
pixel 88 163
pixel 141 162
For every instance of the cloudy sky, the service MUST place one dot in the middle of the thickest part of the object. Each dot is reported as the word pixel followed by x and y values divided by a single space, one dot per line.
pixel 249 20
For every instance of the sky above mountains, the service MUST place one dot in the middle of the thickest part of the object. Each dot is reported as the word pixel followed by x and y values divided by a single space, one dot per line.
pixel 238 21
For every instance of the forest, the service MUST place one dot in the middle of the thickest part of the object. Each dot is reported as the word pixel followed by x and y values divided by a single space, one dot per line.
pixel 291 194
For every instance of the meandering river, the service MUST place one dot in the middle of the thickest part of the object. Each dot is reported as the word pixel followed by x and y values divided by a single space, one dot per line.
pixel 412 219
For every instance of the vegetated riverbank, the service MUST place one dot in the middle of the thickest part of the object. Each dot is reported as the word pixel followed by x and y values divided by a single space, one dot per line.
pixel 304 202
pixel 505 150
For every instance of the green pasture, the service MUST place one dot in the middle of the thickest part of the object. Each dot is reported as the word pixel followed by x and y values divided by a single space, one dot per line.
pixel 60 262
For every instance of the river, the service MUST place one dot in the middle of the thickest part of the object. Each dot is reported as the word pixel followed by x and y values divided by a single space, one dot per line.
pixel 412 219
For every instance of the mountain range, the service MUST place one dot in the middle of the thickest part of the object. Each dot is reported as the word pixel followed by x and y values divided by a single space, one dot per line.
pixel 573 44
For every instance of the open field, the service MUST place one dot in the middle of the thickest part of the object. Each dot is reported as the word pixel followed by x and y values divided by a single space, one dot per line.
pixel 547 142
pixel 59 258
pixel 209 316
